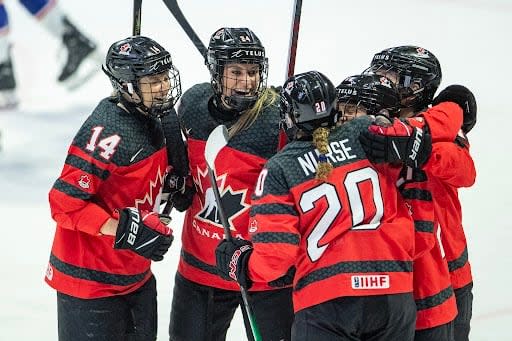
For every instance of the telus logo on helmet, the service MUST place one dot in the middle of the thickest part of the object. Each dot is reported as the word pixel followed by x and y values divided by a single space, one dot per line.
pixel 347 92
pixel 381 57
pixel 248 53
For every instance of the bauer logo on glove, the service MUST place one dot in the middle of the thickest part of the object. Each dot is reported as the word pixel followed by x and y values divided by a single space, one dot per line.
pixel 143 233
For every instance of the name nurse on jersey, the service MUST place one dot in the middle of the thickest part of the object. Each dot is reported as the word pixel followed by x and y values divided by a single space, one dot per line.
pixel 338 152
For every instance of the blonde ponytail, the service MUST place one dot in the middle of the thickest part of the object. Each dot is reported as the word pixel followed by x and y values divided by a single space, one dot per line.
pixel 321 142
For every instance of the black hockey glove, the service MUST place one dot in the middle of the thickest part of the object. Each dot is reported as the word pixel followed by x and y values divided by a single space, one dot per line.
pixel 182 201
pixel 179 193
pixel 465 99
pixel 232 258
pixel 397 143
pixel 143 233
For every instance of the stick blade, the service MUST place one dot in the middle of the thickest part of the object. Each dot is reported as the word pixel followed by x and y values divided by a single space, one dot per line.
pixel 217 140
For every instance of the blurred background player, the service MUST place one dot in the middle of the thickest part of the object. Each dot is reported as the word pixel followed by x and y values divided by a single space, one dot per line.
pixel 322 206
pixel 82 60
pixel 203 302
pixel 417 74
pixel 106 199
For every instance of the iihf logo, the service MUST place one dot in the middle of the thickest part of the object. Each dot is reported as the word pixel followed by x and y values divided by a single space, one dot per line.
pixel 370 282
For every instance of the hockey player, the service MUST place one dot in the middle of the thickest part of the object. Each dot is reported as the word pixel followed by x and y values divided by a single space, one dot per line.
pixel 362 95
pixel 417 74
pixel 105 199
pixel 322 206
pixel 203 302
pixel 82 57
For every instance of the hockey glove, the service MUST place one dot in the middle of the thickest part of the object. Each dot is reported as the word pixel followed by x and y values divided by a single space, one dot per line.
pixel 465 99
pixel 232 259
pixel 397 143
pixel 180 194
pixel 182 201
pixel 143 233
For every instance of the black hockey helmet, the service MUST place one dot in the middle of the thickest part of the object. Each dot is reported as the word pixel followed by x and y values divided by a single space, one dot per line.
pixel 418 70
pixel 308 100
pixel 133 58
pixel 238 46
pixel 372 92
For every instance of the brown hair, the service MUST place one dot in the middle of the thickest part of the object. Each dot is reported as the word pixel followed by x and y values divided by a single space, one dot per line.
pixel 321 142
pixel 267 98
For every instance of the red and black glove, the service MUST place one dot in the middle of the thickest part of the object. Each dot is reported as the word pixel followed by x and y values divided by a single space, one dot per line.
pixel 232 259
pixel 397 142
pixel 143 233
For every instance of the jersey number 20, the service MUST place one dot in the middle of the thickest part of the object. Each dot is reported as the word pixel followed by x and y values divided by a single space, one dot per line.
pixel 334 207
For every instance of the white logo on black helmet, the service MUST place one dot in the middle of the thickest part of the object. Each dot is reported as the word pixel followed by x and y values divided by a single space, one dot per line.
pixel 159 63
pixel 352 92
pixel 155 49
pixel 289 86
pixel 381 57
pixel 247 53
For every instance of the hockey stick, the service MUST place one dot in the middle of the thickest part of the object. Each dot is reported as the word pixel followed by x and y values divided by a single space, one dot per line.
pixel 177 155
pixel 292 53
pixel 294 37
pixel 217 140
pixel 137 15
pixel 174 8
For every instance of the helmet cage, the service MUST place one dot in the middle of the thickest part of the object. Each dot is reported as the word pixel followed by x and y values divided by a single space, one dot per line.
pixel 236 46
pixel 373 93
pixel 134 58
pixel 418 77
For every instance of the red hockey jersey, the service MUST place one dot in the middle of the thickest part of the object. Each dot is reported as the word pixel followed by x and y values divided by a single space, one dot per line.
pixel 116 160
pixel 454 158
pixel 351 235
pixel 433 292
pixel 237 169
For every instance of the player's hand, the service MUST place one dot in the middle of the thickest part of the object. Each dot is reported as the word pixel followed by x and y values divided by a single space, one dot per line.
pixel 180 193
pixel 397 143
pixel 143 233
pixel 465 99
pixel 232 259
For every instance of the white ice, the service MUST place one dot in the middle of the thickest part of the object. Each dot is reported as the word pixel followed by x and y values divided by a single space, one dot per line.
pixel 471 38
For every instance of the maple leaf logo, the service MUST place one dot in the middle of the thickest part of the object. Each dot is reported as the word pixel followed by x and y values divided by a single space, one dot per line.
pixel 152 196
pixel 233 201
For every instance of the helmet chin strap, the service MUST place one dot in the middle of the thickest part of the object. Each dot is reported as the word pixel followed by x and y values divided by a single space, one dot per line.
pixel 240 103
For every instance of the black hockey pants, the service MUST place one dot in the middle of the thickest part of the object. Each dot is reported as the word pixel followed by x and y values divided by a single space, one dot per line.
pixel 131 317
